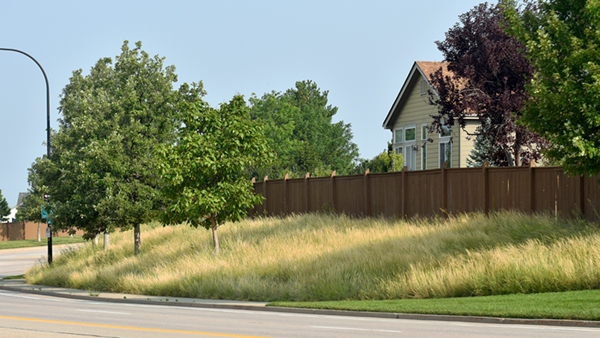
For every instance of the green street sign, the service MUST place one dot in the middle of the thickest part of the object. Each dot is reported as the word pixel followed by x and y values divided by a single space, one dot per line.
pixel 46 214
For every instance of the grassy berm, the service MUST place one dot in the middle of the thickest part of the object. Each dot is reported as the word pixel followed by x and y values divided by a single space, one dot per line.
pixel 328 258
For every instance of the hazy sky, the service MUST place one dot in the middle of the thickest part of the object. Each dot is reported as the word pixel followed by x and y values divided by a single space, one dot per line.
pixel 360 51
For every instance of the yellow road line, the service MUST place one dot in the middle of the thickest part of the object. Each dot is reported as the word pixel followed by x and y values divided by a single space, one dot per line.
pixel 130 327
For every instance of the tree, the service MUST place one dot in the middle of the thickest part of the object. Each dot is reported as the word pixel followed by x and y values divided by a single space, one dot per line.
pixel 488 79
pixel 387 161
pixel 103 173
pixel 299 128
pixel 481 152
pixel 4 208
pixel 205 168
pixel 563 45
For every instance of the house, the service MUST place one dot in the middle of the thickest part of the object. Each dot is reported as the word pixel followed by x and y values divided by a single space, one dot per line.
pixel 411 114
pixel 12 217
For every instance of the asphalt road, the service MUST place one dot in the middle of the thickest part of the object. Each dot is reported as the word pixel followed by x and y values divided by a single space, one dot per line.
pixel 27 315
pixel 15 262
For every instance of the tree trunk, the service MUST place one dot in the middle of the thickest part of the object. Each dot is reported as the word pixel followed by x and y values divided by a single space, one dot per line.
pixel 215 236
pixel 39 231
pixel 106 240
pixel 137 240
pixel 518 141
pixel 95 242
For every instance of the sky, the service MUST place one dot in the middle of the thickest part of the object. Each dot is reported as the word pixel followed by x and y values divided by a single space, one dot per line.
pixel 359 51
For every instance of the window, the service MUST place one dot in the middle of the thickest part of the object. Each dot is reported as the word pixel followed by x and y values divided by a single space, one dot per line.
pixel 446 153
pixel 424 156
pixel 424 87
pixel 410 134
pixel 398 135
pixel 423 147
pixel 410 149
pixel 410 157
pixel 446 131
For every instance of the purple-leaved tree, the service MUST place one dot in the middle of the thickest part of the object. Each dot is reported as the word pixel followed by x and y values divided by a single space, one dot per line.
pixel 486 77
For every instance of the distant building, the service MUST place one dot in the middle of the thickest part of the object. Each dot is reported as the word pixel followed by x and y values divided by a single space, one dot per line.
pixel 13 211
pixel 410 116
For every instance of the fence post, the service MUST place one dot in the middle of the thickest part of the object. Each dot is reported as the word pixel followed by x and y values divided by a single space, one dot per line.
pixel 332 193
pixel 285 194
pixel 444 190
pixel 532 187
pixel 265 203
pixel 582 195
pixel 404 189
pixel 306 195
pixel 486 190
pixel 367 194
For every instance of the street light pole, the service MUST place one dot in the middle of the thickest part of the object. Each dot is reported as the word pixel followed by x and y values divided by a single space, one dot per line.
pixel 47 126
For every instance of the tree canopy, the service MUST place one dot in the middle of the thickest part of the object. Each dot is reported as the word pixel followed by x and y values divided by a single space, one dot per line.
pixel 205 167
pixel 386 161
pixel 300 131
pixel 488 79
pixel 563 45
pixel 103 172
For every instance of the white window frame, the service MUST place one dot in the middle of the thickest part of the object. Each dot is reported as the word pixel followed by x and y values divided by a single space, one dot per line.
pixel 449 129
pixel 424 146
pixel 395 141
pixel 409 146
pixel 448 144
pixel 446 140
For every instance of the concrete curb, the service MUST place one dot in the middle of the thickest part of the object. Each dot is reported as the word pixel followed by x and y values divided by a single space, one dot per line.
pixel 409 316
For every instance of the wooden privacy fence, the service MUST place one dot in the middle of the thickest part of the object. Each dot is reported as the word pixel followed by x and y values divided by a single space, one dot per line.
pixel 435 192
pixel 26 230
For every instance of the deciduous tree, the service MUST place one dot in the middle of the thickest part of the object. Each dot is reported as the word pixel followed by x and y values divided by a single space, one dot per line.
pixel 387 161
pixel 488 79
pixel 103 173
pixel 563 45
pixel 299 128
pixel 204 170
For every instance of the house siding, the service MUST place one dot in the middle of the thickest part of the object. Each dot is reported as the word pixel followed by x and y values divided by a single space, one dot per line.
pixel 413 109
pixel 417 111
pixel 467 142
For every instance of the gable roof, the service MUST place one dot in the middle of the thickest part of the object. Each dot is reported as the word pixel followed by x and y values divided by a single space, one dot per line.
pixel 419 68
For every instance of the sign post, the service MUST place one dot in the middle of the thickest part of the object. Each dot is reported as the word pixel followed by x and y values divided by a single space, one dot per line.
pixel 47 215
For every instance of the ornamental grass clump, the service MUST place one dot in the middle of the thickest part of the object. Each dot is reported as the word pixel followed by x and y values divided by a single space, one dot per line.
pixel 331 257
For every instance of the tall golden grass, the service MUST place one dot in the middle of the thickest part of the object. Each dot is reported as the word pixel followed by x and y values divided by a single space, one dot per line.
pixel 328 257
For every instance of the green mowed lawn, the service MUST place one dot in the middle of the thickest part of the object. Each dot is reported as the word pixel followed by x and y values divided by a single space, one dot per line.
pixel 575 305
pixel 44 242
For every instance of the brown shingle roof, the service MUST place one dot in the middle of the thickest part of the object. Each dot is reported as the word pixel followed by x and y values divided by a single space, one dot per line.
pixel 430 67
